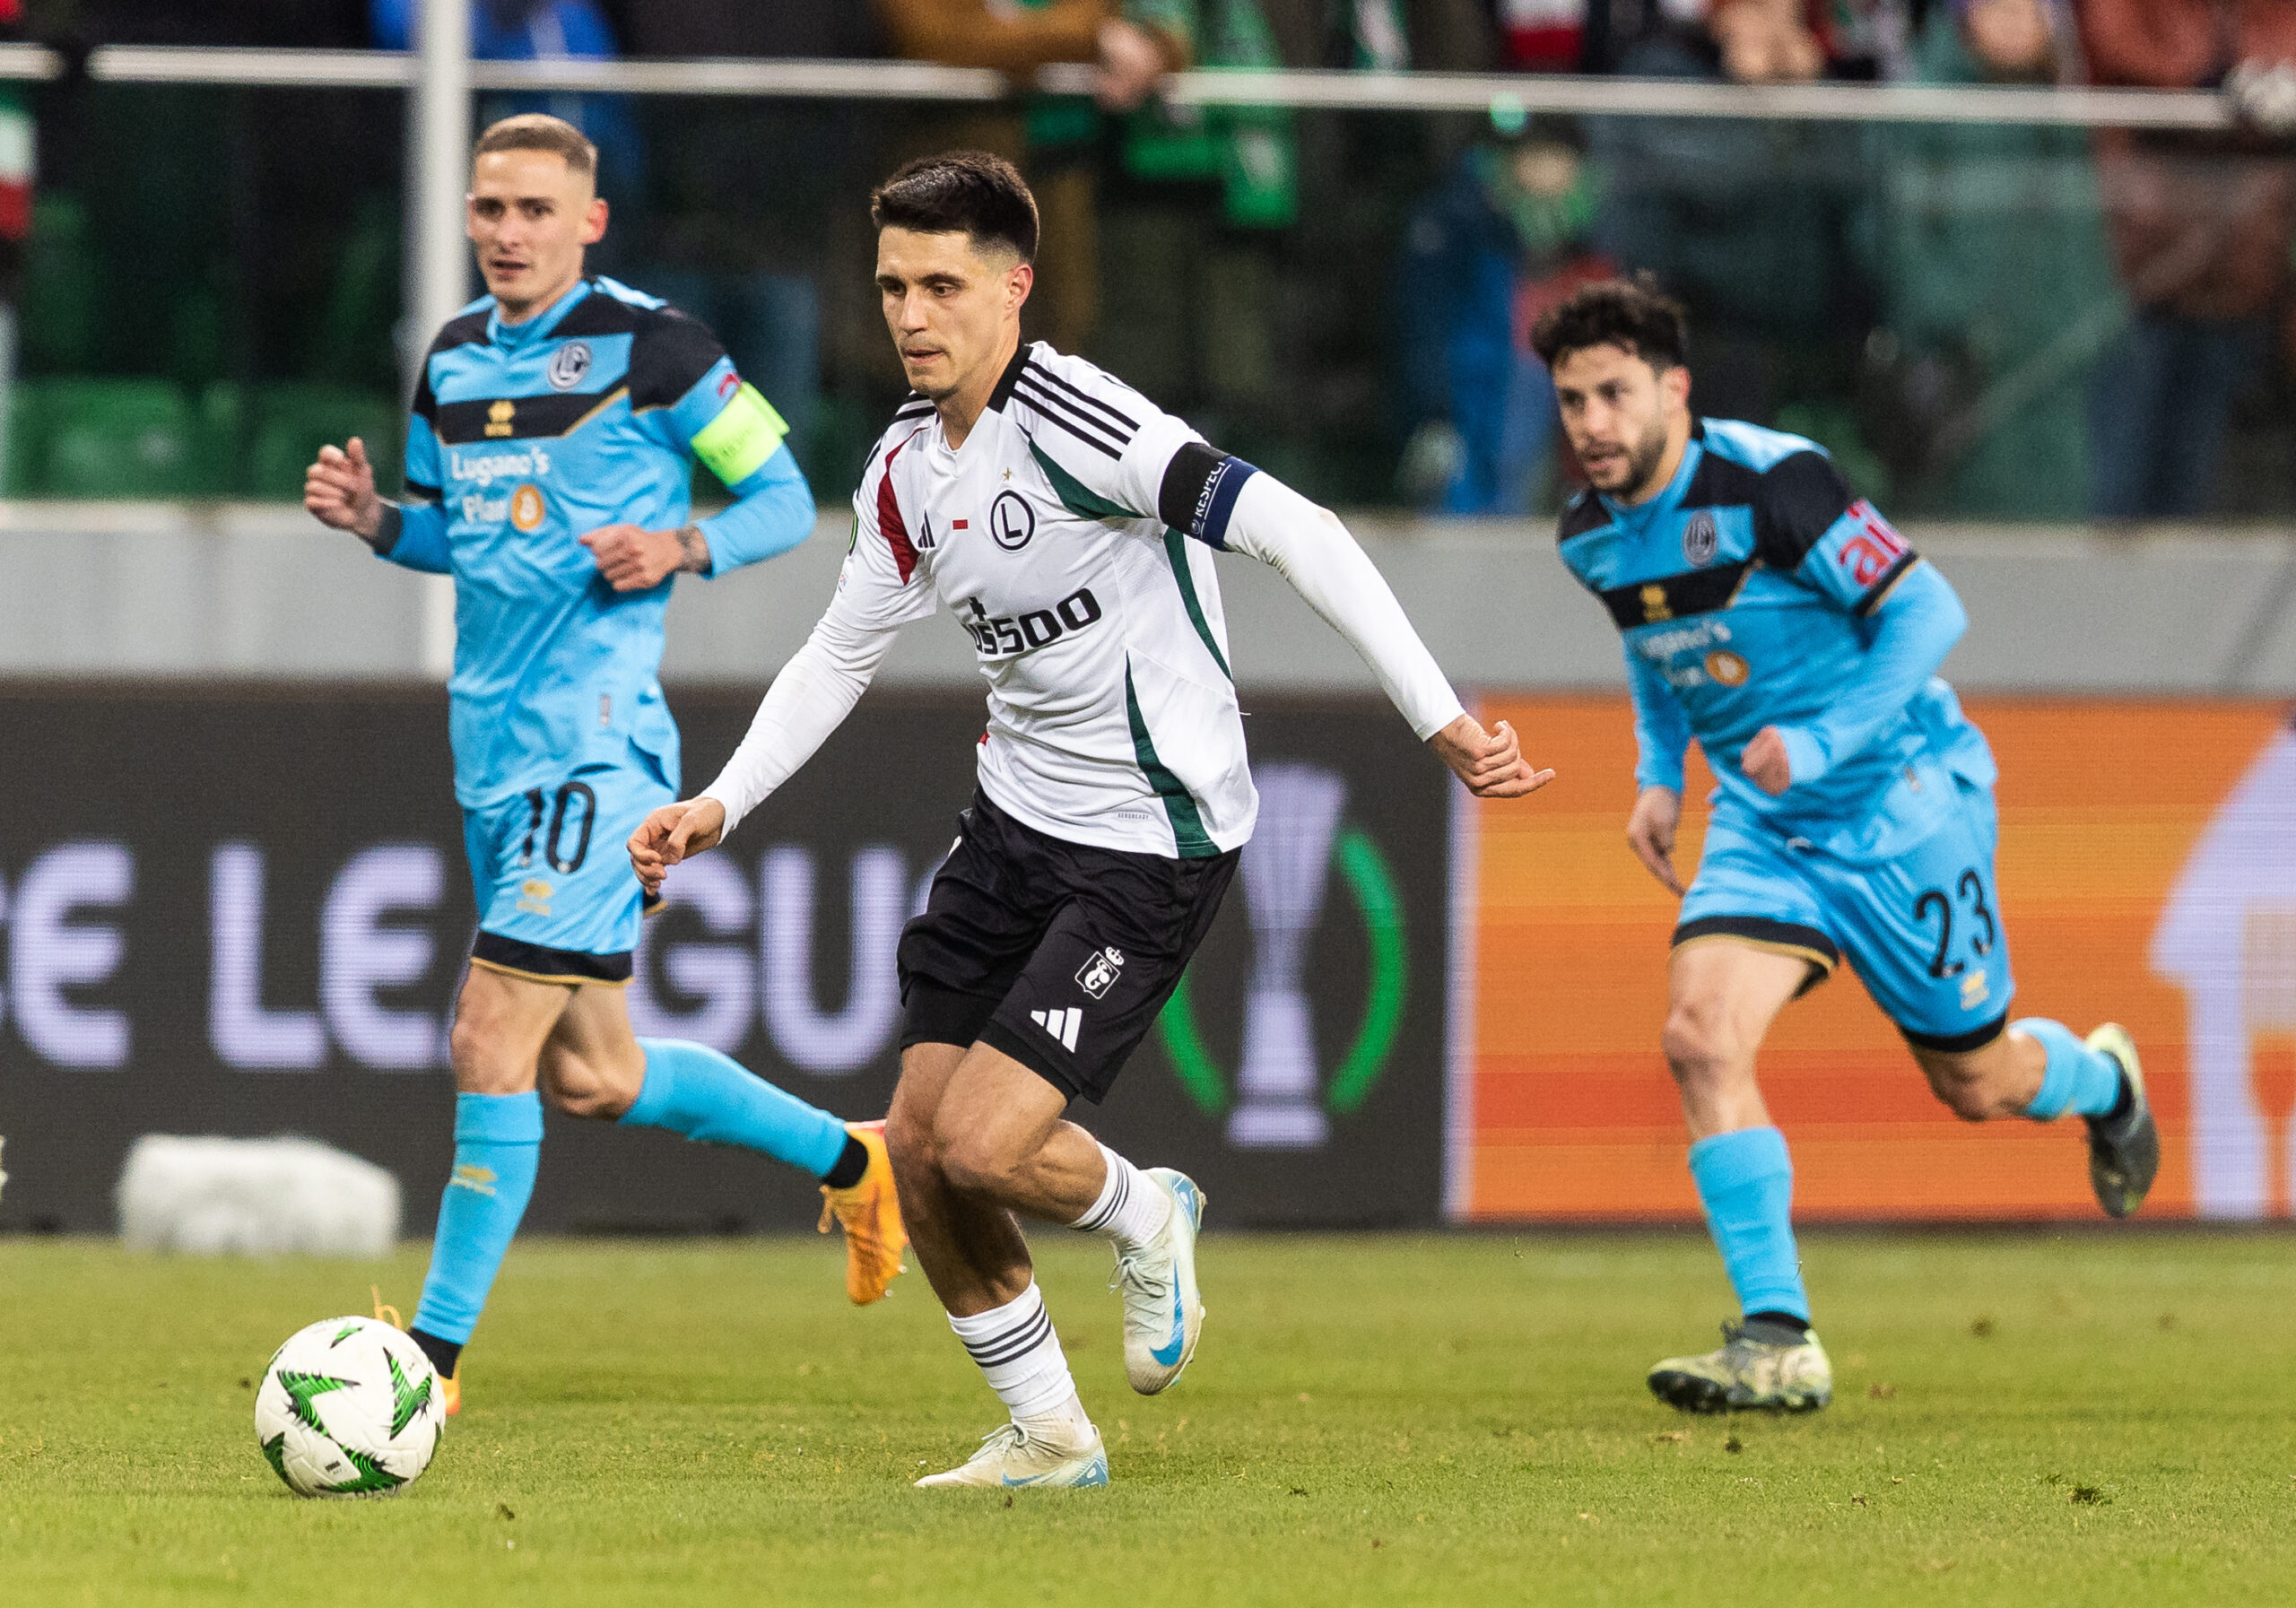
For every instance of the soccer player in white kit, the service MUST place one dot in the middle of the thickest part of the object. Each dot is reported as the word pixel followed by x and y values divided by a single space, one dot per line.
pixel 1069 524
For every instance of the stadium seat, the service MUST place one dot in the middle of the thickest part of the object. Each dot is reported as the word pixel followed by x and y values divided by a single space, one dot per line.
pixel 109 438
pixel 291 421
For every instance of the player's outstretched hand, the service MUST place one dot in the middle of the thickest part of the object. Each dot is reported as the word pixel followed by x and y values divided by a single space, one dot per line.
pixel 675 832
pixel 339 491
pixel 1765 763
pixel 634 558
pixel 1650 833
pixel 1490 763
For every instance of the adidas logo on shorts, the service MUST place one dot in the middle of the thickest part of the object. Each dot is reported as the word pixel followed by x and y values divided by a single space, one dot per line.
pixel 1063 1025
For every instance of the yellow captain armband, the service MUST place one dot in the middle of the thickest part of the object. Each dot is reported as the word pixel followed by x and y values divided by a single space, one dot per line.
pixel 744 434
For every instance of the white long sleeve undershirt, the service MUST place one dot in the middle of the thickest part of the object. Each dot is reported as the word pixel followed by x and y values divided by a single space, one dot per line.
pixel 809 700
pixel 1271 522
pixel 1313 551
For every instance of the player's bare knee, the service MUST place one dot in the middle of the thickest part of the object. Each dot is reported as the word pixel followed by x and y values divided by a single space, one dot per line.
pixel 1963 1085
pixel 1965 1097
pixel 909 1140
pixel 482 1060
pixel 1699 1042
pixel 572 1085
pixel 977 1164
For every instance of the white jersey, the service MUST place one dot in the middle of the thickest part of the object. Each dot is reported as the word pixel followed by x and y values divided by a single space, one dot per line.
pixel 1072 536
pixel 1112 717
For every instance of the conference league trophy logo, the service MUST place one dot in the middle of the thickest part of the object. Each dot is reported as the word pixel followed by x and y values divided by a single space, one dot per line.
pixel 1279 1099
pixel 1285 869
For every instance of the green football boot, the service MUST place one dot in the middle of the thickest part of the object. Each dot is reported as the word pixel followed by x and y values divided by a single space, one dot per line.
pixel 2123 1151
pixel 1762 1368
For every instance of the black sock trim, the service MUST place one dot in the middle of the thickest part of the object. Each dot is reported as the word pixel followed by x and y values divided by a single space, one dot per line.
pixel 1098 1222
pixel 1014 1344
pixel 443 1355
pixel 2123 1102
pixel 1780 1320
pixel 852 1161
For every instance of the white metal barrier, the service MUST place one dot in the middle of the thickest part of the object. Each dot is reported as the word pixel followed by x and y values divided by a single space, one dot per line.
pixel 1506 93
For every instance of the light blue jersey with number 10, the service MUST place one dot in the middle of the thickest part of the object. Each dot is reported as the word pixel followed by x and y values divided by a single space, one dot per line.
pixel 525 438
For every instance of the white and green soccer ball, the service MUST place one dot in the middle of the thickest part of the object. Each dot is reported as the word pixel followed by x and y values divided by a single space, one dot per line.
pixel 349 1407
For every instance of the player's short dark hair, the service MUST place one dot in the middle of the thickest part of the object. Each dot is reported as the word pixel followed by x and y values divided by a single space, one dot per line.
pixel 1631 314
pixel 967 191
pixel 539 131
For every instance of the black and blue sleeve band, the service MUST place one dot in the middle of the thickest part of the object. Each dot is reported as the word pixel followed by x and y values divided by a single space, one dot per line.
pixel 1199 491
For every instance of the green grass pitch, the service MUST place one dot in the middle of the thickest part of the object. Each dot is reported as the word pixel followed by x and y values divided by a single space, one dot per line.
pixel 2030 1418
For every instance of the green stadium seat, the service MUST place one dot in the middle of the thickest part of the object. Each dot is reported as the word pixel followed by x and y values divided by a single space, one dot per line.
pixel 109 438
pixel 290 424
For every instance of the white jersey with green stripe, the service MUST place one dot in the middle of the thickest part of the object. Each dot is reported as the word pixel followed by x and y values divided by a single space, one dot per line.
pixel 1057 535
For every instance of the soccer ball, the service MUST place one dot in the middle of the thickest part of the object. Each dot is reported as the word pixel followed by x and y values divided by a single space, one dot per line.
pixel 349 1407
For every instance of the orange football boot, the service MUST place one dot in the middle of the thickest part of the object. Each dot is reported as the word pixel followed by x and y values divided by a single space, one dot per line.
pixel 870 1214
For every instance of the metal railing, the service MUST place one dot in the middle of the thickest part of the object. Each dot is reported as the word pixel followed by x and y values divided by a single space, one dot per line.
pixel 1504 93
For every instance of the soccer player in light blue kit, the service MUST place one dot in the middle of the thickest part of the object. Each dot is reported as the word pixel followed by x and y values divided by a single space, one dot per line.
pixel 555 428
pixel 1776 618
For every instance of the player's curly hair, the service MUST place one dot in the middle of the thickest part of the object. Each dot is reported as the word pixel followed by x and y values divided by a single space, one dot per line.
pixel 1632 313
pixel 967 191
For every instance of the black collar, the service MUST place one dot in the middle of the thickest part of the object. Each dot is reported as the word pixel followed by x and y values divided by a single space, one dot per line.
pixel 1002 394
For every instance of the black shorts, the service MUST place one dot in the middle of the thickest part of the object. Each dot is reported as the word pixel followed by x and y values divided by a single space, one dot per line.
pixel 1056 953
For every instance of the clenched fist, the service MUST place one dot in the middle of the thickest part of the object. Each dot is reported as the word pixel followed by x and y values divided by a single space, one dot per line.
pixel 672 833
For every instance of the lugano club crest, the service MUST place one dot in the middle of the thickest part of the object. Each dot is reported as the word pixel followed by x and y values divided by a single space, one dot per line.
pixel 570 365
pixel 1701 539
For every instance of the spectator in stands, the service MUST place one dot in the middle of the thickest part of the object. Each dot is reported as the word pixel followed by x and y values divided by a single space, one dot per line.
pixel 1986 249
pixel 539 30
pixel 2201 228
pixel 1132 43
pixel 1745 220
pixel 751 260
pixel 1756 41
pixel 1499 241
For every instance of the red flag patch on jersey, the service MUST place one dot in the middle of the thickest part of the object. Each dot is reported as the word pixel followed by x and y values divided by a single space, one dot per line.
pixel 1868 554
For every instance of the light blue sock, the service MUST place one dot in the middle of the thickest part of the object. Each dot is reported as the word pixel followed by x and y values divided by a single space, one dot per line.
pixel 2079 1080
pixel 1745 1181
pixel 691 1088
pixel 497 1147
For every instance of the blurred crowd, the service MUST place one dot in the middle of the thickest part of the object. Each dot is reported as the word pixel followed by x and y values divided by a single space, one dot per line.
pixel 1980 320
pixel 1991 321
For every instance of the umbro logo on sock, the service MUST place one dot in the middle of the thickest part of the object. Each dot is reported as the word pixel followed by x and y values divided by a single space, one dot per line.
pixel 1063 1025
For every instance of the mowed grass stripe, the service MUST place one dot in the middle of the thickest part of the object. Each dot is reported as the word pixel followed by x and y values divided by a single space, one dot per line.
pixel 1377 1419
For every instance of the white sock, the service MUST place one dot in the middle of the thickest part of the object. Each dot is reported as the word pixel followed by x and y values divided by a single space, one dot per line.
pixel 1019 1354
pixel 1131 1209
pixel 1063 1421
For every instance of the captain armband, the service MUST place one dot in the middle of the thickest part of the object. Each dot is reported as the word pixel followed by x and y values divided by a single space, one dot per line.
pixel 746 434
pixel 1199 491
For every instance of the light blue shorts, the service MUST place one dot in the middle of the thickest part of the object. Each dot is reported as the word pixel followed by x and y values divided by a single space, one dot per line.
pixel 1923 931
pixel 557 899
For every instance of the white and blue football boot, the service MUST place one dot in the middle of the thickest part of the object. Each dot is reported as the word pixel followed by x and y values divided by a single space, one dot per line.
pixel 1012 1456
pixel 1163 1314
